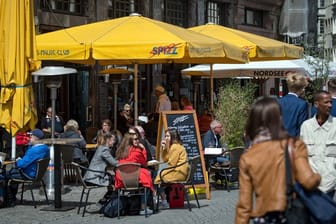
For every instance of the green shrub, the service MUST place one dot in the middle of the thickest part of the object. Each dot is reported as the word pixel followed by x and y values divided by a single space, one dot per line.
pixel 232 108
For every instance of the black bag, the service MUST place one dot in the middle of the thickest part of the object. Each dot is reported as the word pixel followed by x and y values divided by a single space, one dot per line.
pixel 110 208
pixel 133 205
pixel 296 212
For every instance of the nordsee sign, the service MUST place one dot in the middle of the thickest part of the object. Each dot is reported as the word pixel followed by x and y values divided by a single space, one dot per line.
pixel 269 73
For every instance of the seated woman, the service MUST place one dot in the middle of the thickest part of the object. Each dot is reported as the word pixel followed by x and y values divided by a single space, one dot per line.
pixel 102 160
pixel 106 125
pixel 173 152
pixel 71 130
pixel 131 150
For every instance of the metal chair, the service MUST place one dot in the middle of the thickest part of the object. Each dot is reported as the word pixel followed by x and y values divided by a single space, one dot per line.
pixel 193 163
pixel 69 173
pixel 86 188
pixel 232 169
pixel 129 174
pixel 42 165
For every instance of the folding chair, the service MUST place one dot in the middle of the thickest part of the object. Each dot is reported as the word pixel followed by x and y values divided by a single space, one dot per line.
pixel 86 188
pixel 129 174
pixel 193 163
pixel 42 165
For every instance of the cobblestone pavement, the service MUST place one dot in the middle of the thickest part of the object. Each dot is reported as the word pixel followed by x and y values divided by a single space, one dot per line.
pixel 220 209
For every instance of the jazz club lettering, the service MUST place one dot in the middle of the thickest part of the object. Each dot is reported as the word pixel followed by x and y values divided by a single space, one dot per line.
pixel 170 49
pixel 53 52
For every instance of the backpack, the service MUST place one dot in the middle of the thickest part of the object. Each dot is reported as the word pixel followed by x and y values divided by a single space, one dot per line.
pixel 110 208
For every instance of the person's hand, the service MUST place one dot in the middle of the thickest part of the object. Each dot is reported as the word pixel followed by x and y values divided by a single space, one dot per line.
pixel 163 144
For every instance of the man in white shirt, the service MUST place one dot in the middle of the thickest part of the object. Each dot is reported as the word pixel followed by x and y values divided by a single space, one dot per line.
pixel 319 134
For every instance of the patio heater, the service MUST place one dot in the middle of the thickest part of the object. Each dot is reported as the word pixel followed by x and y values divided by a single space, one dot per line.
pixel 116 80
pixel 53 79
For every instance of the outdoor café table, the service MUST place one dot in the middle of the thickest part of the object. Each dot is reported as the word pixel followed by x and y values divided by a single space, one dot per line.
pixel 57 170
pixel 90 149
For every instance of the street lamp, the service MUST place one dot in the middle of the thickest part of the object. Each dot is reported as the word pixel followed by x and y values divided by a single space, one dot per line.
pixel 53 79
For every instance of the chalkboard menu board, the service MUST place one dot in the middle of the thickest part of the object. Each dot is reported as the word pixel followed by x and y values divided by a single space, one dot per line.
pixel 187 125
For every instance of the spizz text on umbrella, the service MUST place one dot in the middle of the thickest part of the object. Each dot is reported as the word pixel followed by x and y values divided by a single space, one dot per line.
pixel 170 49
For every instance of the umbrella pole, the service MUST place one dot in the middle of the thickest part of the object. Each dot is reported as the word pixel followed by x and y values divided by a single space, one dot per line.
pixel 135 94
pixel 211 89
pixel 115 90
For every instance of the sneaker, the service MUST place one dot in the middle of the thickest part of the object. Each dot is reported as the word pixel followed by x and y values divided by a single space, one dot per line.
pixel 163 205
pixel 94 208
pixel 219 181
pixel 149 212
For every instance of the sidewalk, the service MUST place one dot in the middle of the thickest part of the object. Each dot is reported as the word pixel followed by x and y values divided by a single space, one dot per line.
pixel 220 209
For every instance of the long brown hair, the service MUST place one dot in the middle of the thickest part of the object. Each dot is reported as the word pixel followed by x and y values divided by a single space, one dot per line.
pixel 265 114
pixel 123 149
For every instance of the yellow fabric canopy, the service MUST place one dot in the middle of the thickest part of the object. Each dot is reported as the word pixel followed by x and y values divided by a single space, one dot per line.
pixel 260 48
pixel 132 39
pixel 16 61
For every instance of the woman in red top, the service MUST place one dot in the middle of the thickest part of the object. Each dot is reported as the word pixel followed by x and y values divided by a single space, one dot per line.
pixel 131 150
pixel 186 104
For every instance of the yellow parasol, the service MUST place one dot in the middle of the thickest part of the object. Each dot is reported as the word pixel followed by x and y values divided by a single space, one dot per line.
pixel 134 40
pixel 16 61
pixel 259 48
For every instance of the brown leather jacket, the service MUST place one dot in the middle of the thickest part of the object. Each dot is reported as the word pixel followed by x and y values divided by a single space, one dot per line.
pixel 262 177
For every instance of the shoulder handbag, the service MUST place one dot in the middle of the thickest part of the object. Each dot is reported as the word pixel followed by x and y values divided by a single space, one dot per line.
pixel 321 207
pixel 296 212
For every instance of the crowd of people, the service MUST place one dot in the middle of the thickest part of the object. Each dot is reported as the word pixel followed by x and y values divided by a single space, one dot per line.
pixel 274 125
pixel 128 143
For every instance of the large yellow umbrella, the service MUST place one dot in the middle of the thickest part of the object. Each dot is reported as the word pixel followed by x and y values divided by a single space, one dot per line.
pixel 133 40
pixel 16 61
pixel 259 48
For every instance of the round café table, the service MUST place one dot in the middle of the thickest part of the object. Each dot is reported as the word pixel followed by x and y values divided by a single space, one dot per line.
pixel 57 142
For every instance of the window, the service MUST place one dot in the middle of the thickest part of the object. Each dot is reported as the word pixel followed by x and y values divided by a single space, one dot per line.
pixel 121 8
pixel 77 7
pixel 322 4
pixel 176 12
pixel 321 21
pixel 254 17
pixel 217 13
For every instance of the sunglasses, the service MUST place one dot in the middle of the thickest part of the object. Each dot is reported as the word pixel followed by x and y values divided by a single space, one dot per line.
pixel 135 139
pixel 132 133
pixel 127 110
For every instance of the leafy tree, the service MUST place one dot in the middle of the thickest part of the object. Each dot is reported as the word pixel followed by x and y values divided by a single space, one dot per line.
pixel 232 108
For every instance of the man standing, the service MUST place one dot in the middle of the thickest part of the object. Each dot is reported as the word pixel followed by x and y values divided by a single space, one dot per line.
pixel 319 134
pixel 332 90
pixel 26 167
pixel 163 102
pixel 294 110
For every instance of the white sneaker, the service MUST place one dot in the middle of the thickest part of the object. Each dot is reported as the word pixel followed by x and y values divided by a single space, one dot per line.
pixel 149 212
pixel 163 205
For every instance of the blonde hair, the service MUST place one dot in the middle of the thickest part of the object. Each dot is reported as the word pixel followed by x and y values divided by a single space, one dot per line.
pixel 71 125
pixel 296 82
